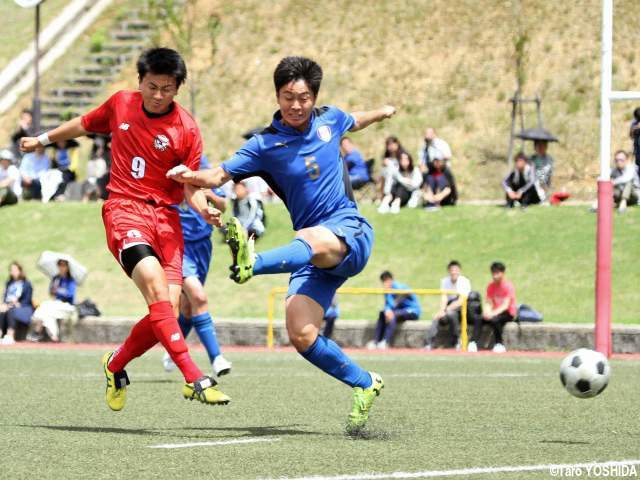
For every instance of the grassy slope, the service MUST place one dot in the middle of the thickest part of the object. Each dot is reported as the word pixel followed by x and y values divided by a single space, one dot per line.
pixel 436 413
pixel 549 253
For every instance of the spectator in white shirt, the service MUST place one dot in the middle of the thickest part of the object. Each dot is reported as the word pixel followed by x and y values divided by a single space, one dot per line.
pixel 402 183
pixel 10 186
pixel 434 147
pixel 626 185
pixel 34 165
pixel 450 305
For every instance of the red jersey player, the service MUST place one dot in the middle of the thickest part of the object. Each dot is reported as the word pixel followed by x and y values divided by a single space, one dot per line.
pixel 150 134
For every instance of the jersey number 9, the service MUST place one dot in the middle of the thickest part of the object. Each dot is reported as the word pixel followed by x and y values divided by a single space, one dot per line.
pixel 137 167
pixel 313 169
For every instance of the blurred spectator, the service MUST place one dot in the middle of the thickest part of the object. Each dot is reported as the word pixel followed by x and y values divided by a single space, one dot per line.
pixel 501 295
pixel 390 161
pixel 96 169
pixel 521 184
pixel 16 307
pixel 397 309
pixel 358 172
pixel 542 162
pixel 330 316
pixel 626 185
pixel 433 148
pixel 25 129
pixel 249 209
pixel 450 305
pixel 400 184
pixel 634 133
pixel 10 185
pixel 32 167
pixel 439 187
pixel 66 161
pixel 63 291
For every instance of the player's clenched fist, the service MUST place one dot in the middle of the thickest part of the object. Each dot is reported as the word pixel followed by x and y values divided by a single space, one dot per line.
pixel 180 174
pixel 388 111
pixel 28 144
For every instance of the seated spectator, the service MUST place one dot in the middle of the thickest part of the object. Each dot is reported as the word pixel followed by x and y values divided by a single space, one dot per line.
pixel 401 184
pixel 10 186
pixel 390 160
pixel 249 209
pixel 521 184
pixel 634 133
pixel 330 316
pixel 433 148
pixel 397 309
pixel 450 305
pixel 439 187
pixel 66 161
pixel 501 295
pixel 16 307
pixel 96 169
pixel 626 185
pixel 542 162
pixel 32 167
pixel 63 291
pixel 357 167
pixel 25 129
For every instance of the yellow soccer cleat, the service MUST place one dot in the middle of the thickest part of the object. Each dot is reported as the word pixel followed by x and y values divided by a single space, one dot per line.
pixel 204 390
pixel 116 392
pixel 362 401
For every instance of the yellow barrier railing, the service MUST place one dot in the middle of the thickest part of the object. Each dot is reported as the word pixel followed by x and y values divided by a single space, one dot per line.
pixel 271 305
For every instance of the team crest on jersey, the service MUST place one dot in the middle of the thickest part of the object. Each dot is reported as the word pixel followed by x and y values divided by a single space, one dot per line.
pixel 134 234
pixel 324 133
pixel 161 142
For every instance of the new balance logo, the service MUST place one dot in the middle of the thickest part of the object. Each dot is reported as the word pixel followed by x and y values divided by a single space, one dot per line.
pixel 175 337
pixel 124 126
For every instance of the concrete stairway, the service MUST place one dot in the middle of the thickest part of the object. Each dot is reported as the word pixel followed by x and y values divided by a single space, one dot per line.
pixel 80 89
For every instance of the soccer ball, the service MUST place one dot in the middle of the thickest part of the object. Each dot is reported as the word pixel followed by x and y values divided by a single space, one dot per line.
pixel 585 373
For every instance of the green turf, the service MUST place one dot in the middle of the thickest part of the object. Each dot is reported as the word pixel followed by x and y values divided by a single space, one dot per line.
pixel 436 413
pixel 549 254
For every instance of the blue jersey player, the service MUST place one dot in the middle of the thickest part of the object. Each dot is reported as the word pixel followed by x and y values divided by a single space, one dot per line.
pixel 298 155
pixel 194 306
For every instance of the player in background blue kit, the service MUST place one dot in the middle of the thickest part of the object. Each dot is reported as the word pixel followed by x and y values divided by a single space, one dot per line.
pixel 298 155
pixel 194 306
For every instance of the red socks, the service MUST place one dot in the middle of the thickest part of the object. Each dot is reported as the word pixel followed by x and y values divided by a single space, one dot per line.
pixel 160 325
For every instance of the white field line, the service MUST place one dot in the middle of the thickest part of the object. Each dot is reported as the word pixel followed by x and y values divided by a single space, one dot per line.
pixel 214 443
pixel 555 470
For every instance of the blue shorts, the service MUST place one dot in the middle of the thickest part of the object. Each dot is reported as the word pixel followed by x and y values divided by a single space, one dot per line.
pixel 321 284
pixel 196 259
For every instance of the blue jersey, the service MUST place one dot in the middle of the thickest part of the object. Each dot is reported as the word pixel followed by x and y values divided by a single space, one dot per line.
pixel 303 168
pixel 356 165
pixel 403 301
pixel 194 227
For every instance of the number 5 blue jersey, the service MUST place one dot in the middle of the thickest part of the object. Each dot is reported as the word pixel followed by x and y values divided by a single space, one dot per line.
pixel 303 168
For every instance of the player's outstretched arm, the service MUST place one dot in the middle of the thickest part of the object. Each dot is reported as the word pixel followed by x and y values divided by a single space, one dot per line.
pixel 198 200
pixel 68 130
pixel 364 119
pixel 208 178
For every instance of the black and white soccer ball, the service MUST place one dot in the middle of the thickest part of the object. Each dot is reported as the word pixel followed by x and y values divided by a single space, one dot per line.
pixel 585 373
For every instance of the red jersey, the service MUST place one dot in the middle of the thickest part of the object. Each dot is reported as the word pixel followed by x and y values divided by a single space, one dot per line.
pixel 143 148
pixel 497 294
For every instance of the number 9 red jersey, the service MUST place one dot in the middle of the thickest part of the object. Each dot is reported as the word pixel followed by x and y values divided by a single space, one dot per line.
pixel 144 147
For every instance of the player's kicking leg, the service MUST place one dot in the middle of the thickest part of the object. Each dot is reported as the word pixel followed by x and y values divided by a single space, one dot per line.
pixel 159 325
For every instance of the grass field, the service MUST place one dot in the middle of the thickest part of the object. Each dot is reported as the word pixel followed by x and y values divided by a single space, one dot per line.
pixel 437 412
pixel 549 254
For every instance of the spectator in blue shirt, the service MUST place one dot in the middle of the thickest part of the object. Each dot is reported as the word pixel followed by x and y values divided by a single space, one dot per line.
pixel 63 286
pixel 16 306
pixel 358 171
pixel 32 166
pixel 397 309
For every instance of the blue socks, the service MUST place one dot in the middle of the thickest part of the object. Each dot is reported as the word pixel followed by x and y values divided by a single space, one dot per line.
pixel 328 357
pixel 205 330
pixel 285 259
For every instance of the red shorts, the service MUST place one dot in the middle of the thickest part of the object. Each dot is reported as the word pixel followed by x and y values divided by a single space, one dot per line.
pixel 133 222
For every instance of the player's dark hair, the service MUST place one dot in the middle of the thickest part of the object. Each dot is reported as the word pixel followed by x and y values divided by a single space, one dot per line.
pixel 291 69
pixel 19 267
pixel 162 61
pixel 386 275
pixel 454 263
pixel 498 267
pixel 636 114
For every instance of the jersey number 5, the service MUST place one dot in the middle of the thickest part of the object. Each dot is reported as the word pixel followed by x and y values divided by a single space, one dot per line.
pixel 313 169
pixel 137 167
